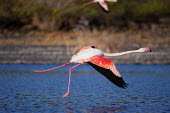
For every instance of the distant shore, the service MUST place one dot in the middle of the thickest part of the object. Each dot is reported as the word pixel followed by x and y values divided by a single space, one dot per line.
pixel 50 54
pixel 57 47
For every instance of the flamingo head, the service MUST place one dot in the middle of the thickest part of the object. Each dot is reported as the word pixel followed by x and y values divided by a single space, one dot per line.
pixel 92 46
pixel 87 47
pixel 145 49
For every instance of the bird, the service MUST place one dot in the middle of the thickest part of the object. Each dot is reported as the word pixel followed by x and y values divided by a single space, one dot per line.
pixel 96 58
pixel 101 2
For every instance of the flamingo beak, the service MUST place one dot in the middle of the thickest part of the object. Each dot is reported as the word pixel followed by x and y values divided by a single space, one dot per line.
pixel 148 49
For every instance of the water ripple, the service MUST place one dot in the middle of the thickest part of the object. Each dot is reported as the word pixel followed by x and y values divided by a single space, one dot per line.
pixel 24 91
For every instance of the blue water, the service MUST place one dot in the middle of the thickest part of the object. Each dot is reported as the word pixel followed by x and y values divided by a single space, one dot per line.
pixel 24 91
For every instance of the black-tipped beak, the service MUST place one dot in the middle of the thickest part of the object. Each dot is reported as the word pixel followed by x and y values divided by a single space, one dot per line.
pixel 148 49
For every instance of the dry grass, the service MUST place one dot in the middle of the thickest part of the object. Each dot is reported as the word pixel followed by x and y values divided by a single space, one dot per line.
pixel 107 40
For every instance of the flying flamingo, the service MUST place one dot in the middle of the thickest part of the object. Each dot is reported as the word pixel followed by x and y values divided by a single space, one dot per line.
pixel 95 58
pixel 101 2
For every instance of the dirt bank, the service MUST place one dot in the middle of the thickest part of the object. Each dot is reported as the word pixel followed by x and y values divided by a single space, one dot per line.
pixel 48 54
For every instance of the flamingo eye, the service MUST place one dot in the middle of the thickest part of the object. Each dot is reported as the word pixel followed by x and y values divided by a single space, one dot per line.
pixel 92 46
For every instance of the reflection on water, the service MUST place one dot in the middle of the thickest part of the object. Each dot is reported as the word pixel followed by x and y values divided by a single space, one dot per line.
pixel 24 91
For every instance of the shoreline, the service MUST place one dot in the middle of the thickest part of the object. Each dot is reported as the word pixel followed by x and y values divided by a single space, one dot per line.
pixel 54 54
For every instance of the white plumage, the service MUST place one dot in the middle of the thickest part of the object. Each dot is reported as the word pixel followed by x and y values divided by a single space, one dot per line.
pixel 85 54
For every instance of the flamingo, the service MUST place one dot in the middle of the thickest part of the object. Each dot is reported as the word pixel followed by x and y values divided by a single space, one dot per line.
pixel 95 58
pixel 101 2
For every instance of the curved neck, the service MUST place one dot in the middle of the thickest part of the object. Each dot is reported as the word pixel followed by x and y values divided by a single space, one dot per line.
pixel 121 53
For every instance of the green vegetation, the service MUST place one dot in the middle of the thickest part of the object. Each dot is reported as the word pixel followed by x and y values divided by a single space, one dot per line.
pixel 64 15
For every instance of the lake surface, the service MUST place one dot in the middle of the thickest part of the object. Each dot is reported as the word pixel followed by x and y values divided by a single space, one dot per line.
pixel 24 91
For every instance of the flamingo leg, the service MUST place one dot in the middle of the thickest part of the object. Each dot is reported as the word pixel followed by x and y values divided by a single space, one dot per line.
pixel 40 71
pixel 88 3
pixel 69 79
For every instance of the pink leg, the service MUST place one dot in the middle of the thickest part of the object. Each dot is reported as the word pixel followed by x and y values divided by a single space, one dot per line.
pixel 88 3
pixel 40 71
pixel 69 79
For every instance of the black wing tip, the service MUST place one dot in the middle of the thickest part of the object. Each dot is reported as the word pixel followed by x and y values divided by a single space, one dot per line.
pixel 121 83
pixel 124 86
pixel 118 81
pixel 106 11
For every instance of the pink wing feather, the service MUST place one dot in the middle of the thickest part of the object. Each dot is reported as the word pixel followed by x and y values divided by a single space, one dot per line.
pixel 108 69
pixel 104 5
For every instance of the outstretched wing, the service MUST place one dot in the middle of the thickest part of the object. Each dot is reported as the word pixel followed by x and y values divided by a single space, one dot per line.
pixel 108 69
pixel 104 5
pixel 111 0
